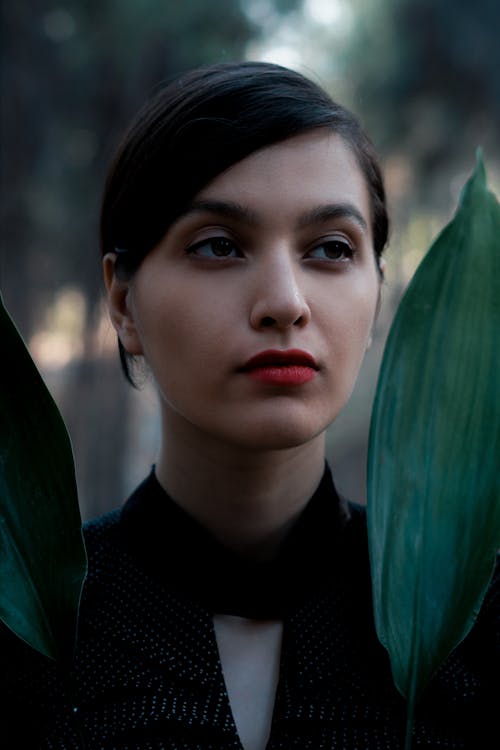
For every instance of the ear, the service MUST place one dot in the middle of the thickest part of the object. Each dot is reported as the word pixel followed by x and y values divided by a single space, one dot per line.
pixel 381 267
pixel 119 306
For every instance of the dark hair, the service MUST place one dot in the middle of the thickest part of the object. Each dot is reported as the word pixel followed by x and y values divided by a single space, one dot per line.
pixel 198 126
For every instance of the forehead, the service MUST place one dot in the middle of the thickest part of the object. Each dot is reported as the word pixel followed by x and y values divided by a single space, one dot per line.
pixel 294 176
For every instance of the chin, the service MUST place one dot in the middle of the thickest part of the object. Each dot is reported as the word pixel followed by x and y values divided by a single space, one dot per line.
pixel 276 436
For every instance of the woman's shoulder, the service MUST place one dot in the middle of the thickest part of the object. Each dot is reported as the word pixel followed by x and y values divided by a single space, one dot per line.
pixel 106 531
pixel 102 539
pixel 108 557
pixel 97 527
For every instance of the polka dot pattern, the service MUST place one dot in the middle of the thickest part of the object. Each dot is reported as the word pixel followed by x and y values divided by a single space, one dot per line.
pixel 147 674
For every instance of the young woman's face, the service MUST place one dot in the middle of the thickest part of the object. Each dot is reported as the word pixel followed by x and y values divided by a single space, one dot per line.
pixel 256 308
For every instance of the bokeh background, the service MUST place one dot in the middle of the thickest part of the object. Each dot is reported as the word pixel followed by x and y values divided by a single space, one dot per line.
pixel 423 76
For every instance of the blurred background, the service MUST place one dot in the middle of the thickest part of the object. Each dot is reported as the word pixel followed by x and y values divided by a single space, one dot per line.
pixel 422 76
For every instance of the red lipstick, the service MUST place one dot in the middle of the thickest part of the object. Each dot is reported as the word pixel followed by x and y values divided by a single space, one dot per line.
pixel 277 367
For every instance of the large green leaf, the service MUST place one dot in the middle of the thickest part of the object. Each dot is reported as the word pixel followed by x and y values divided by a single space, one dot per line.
pixel 433 466
pixel 42 553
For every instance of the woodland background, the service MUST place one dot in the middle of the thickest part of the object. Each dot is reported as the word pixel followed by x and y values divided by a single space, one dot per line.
pixel 422 76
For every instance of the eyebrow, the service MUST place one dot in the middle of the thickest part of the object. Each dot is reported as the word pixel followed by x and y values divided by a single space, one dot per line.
pixel 317 215
pixel 228 209
pixel 331 211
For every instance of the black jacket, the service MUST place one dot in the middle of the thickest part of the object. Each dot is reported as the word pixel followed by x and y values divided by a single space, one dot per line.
pixel 147 674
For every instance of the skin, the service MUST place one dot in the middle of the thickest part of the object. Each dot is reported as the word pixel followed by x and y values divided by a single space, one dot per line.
pixel 198 309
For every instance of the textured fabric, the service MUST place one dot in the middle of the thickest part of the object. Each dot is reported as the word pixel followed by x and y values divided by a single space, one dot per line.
pixel 147 673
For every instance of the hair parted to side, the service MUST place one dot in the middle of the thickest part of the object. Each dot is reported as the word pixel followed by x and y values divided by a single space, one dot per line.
pixel 198 126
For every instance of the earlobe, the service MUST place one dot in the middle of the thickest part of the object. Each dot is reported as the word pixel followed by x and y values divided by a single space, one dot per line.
pixel 381 267
pixel 120 313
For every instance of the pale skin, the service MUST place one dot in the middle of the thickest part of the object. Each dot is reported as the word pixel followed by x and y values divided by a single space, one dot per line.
pixel 275 253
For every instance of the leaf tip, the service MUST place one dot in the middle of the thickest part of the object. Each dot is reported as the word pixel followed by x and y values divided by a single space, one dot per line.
pixel 480 170
pixel 477 182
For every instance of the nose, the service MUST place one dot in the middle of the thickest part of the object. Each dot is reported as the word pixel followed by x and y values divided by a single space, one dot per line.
pixel 279 300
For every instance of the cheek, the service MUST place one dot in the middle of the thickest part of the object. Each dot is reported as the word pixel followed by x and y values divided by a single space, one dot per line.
pixel 181 331
pixel 361 324
pixel 366 302
pixel 350 318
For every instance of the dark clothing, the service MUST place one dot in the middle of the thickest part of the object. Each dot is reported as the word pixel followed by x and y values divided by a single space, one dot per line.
pixel 147 672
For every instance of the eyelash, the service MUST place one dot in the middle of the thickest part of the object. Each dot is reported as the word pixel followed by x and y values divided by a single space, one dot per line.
pixel 221 243
pixel 345 248
pixel 213 242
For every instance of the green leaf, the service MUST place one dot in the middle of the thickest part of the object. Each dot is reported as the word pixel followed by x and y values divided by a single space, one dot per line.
pixel 42 554
pixel 433 466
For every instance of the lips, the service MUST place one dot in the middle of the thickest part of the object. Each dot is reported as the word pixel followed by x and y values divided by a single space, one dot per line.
pixel 278 358
pixel 277 367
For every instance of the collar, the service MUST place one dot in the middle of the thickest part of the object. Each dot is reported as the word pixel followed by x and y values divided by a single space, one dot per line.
pixel 176 549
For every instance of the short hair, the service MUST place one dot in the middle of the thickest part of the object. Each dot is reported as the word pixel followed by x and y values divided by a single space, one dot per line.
pixel 196 127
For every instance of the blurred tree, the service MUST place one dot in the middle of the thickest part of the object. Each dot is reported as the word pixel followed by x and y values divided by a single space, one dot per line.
pixel 426 77
pixel 73 73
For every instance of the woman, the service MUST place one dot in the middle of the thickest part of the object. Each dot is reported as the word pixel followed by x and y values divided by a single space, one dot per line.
pixel 228 603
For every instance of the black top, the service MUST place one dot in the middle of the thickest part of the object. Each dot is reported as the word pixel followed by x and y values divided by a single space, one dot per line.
pixel 147 672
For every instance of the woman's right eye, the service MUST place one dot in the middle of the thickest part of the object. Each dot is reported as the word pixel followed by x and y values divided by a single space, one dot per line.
pixel 215 247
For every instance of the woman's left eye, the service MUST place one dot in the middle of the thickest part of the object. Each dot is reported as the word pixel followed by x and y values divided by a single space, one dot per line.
pixel 337 250
pixel 215 247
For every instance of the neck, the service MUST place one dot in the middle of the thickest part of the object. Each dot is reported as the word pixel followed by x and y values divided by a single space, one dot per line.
pixel 248 500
